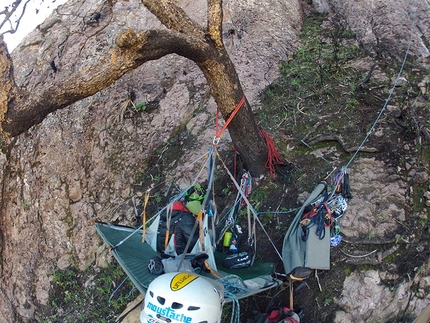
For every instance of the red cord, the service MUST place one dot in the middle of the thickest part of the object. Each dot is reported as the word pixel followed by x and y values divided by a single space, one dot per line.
pixel 273 157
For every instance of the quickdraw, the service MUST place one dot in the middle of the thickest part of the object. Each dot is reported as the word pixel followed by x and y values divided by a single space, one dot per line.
pixel 320 217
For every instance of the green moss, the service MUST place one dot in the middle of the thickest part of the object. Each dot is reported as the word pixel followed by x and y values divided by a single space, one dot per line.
pixel 347 271
pixel 43 29
pixel 34 43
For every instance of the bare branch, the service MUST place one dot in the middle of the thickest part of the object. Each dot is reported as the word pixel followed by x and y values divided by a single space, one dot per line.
pixel 8 14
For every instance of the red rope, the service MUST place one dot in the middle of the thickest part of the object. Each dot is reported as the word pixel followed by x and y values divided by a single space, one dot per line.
pixel 273 157
pixel 234 161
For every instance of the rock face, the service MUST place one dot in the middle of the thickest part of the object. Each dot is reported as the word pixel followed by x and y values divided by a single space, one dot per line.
pixel 368 286
pixel 385 27
pixel 376 210
pixel 79 164
pixel 379 195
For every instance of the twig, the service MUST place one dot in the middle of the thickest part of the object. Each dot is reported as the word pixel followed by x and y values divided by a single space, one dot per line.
pixel 301 110
pixel 319 138
pixel 314 128
pixel 369 242
pixel 318 280
pixel 359 256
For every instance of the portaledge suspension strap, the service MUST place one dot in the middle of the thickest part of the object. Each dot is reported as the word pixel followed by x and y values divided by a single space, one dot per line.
pixel 232 115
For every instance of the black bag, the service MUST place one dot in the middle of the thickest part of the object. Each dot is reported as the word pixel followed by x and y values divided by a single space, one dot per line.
pixel 198 263
pixel 183 230
pixel 239 260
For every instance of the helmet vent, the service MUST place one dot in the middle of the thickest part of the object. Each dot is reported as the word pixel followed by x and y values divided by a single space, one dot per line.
pixel 193 308
pixel 151 293
pixel 161 300
pixel 162 318
pixel 177 306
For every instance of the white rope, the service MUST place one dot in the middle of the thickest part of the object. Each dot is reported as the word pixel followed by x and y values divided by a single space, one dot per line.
pixel 387 100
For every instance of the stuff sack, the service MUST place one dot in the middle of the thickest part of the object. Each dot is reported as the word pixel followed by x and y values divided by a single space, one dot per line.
pixel 177 209
pixel 239 260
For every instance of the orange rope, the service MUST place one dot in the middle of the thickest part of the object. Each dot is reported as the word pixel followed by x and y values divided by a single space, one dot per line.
pixel 232 115
pixel 144 215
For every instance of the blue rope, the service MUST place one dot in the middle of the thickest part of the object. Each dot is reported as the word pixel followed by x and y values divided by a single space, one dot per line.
pixel 119 286
pixel 233 286
pixel 235 309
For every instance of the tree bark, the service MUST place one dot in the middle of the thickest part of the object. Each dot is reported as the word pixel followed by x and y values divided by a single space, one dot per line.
pixel 21 109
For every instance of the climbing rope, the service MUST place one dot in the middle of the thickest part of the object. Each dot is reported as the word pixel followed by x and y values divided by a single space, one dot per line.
pixel 233 287
pixel 116 290
pixel 235 307
pixel 385 104
pixel 233 284
pixel 254 213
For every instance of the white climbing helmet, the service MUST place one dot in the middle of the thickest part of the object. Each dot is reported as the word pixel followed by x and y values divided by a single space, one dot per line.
pixel 183 297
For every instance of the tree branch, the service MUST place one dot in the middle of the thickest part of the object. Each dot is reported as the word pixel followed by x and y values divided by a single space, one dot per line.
pixel 215 15
pixel 173 17
pixel 8 88
pixel 132 50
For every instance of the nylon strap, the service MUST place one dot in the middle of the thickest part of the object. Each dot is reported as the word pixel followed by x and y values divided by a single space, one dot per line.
pixel 232 115
pixel 144 215
pixel 168 218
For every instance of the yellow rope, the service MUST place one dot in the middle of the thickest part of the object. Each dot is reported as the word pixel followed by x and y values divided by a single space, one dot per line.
pixel 144 215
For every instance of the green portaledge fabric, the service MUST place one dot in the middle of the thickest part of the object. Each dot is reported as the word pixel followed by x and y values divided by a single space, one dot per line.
pixel 258 268
pixel 133 256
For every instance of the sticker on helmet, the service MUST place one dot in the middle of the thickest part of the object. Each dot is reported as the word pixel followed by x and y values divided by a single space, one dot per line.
pixel 181 280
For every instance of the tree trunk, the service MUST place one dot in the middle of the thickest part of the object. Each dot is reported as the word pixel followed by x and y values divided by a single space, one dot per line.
pixel 227 92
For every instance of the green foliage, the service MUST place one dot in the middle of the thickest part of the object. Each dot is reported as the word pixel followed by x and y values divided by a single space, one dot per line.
pixel 328 301
pixel 157 178
pixel 26 206
pixel 84 296
pixel 226 313
pixel 258 195
pixel 314 75
pixel 158 197
pixel 140 106
pixel 347 271
pixel 225 191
